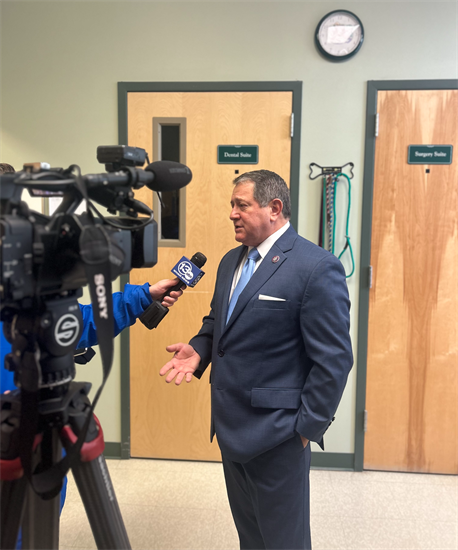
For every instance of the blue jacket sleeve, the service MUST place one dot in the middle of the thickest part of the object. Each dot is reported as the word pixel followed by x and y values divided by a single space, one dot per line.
pixel 127 307
pixel 6 376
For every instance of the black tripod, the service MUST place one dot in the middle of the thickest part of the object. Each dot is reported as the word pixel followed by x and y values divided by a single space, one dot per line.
pixel 62 410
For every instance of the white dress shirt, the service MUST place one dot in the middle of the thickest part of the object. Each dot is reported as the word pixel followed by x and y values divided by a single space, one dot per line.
pixel 263 249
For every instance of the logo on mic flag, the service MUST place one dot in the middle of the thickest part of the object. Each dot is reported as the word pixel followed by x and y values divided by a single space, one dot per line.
pixel 187 272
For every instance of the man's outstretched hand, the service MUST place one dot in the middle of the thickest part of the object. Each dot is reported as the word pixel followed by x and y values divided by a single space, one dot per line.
pixel 184 362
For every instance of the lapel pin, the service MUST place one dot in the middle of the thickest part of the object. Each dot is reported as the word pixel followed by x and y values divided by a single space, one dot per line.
pixel 275 259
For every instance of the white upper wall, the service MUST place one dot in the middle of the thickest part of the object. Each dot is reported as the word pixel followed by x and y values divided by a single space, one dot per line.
pixel 61 61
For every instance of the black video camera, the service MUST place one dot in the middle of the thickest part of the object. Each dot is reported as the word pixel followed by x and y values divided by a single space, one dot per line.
pixel 42 255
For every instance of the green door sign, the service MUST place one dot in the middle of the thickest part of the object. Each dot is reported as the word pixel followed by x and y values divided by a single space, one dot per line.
pixel 430 154
pixel 238 154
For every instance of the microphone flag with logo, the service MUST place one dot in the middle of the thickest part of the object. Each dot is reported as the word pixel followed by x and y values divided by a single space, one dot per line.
pixel 189 273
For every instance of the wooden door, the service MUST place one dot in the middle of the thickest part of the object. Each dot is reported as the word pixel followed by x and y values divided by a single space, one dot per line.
pixel 412 363
pixel 169 421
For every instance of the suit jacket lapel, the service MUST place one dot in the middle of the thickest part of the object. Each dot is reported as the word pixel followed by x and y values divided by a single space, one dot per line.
pixel 268 267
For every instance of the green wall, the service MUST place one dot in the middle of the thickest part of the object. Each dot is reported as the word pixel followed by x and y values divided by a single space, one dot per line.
pixel 61 61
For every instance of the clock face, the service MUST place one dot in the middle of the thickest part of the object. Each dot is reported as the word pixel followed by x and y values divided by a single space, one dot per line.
pixel 339 35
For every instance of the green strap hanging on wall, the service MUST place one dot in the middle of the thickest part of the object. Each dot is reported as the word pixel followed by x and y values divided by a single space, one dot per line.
pixel 329 216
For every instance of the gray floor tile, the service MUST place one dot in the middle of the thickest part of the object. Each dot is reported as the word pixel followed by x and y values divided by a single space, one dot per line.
pixel 434 535
pixel 380 534
pixel 327 533
pixel 425 502
pixel 113 463
pixel 371 499
pixel 224 533
pixel 179 505
pixel 162 528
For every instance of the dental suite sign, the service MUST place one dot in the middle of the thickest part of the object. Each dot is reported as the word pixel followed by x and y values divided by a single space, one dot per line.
pixel 430 154
pixel 238 154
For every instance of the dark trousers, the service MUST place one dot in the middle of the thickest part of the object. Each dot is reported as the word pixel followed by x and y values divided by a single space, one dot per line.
pixel 269 498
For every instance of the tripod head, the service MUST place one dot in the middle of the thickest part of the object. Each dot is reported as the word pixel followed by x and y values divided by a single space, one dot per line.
pixel 49 333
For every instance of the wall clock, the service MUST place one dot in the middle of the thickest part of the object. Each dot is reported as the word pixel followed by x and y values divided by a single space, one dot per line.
pixel 339 35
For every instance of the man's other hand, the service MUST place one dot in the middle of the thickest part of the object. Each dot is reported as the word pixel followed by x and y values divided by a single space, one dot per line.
pixel 161 287
pixel 184 362
pixel 305 441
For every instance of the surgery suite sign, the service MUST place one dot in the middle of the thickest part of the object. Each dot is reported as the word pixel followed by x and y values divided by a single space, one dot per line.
pixel 430 154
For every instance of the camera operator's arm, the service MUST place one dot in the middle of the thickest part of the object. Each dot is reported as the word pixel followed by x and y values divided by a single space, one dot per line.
pixel 6 376
pixel 127 307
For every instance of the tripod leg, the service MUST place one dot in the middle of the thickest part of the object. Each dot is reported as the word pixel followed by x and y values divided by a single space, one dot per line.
pixel 13 494
pixel 92 478
pixel 13 488
pixel 99 499
pixel 40 527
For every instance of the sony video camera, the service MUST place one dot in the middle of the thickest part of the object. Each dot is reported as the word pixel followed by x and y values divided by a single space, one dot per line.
pixel 43 255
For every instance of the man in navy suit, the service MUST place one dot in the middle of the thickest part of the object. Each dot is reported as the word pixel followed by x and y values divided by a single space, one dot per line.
pixel 280 350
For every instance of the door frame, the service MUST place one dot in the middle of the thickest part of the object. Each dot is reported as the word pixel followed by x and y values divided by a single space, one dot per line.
pixel 373 87
pixel 123 89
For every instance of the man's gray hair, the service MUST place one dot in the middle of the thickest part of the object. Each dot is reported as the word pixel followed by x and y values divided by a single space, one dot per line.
pixel 267 187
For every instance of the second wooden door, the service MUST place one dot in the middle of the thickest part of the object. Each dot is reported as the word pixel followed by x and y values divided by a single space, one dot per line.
pixel 412 363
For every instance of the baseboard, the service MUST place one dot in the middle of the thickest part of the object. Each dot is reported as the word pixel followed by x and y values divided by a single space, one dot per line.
pixel 320 460
pixel 333 461
pixel 112 450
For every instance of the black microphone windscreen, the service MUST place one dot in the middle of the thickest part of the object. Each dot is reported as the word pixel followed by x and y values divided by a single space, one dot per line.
pixel 199 259
pixel 168 175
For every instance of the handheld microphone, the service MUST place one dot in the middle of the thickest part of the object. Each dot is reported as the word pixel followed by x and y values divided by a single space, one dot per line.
pixel 189 273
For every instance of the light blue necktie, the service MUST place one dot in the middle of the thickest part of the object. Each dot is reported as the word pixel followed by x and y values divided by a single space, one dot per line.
pixel 247 272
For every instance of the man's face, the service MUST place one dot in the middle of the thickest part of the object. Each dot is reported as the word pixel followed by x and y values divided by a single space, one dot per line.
pixel 252 223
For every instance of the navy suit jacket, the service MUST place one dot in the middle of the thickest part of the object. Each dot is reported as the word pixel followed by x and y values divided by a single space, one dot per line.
pixel 278 367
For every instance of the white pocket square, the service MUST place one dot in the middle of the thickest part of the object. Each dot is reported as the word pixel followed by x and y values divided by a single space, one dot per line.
pixel 271 298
